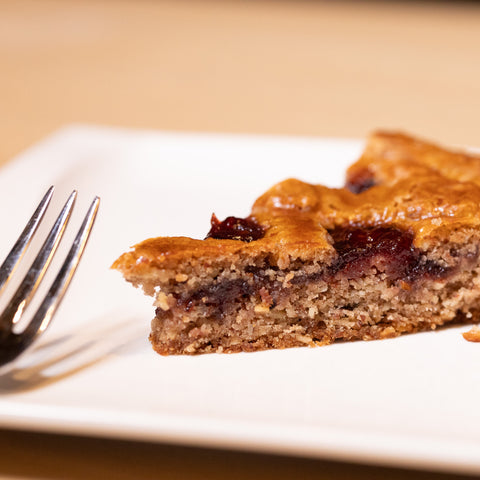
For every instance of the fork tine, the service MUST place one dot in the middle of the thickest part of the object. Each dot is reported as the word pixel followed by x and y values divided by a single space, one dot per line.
pixel 55 294
pixel 24 239
pixel 32 279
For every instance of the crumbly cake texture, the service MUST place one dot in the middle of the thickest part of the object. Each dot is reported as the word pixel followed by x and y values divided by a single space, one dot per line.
pixel 395 251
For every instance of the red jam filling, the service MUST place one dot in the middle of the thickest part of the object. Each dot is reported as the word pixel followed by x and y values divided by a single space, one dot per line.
pixel 387 248
pixel 234 228
pixel 361 181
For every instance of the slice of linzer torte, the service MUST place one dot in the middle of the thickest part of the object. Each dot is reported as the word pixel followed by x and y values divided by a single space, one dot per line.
pixel 395 251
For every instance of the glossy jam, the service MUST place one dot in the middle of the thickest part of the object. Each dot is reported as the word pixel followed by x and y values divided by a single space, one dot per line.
pixel 388 249
pixel 234 228
pixel 361 181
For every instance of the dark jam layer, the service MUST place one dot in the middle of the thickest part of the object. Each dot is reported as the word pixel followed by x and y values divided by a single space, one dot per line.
pixel 220 295
pixel 387 248
pixel 234 228
pixel 361 181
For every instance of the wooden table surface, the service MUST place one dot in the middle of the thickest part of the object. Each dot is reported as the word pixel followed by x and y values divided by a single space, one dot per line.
pixel 297 68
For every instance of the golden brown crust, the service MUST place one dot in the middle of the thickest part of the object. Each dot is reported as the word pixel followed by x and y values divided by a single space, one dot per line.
pixel 393 156
pixel 431 192
pixel 473 335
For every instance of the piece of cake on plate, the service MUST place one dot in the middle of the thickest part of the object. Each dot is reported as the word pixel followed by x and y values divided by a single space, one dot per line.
pixel 395 251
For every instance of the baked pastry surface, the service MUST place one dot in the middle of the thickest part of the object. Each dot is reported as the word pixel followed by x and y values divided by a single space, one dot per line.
pixel 395 251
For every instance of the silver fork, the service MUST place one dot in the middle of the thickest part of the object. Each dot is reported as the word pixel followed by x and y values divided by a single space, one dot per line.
pixel 12 343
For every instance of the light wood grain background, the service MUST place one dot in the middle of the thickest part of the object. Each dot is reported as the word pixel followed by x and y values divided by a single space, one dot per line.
pixel 287 67
pixel 320 68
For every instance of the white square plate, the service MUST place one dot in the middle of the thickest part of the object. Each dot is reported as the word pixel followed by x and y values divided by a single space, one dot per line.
pixel 411 401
